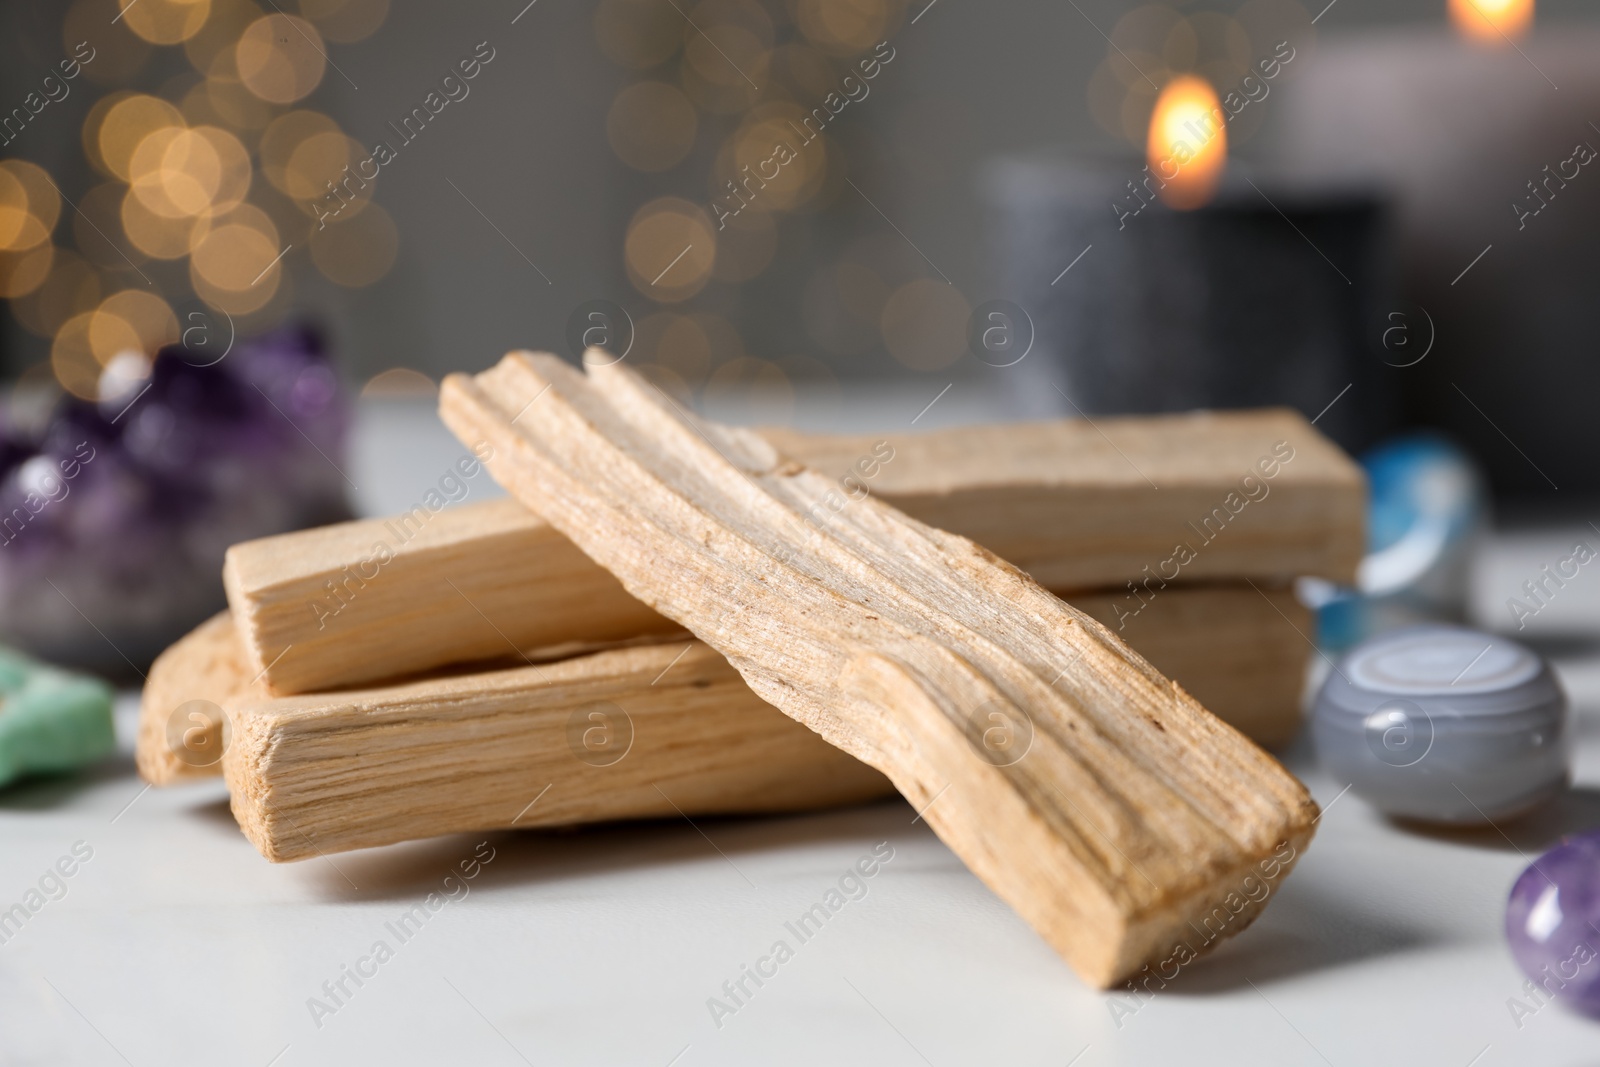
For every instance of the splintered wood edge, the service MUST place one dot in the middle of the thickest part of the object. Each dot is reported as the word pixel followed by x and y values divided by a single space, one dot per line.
pixel 647 491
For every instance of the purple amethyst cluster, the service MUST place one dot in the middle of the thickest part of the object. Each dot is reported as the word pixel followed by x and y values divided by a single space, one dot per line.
pixel 114 518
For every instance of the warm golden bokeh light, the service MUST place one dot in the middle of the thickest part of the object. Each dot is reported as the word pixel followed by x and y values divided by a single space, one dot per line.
pixel 73 360
pixel 230 99
pixel 131 320
pixel 356 250
pixel 280 58
pixel 736 42
pixel 29 205
pixel 651 126
pixel 159 236
pixel 319 161
pixel 23 272
pixel 346 21
pixel 400 382
pixel 175 172
pixel 237 264
pixel 670 249
pixel 770 163
pixel 1188 142
pixel 283 136
pixel 924 324
pixel 222 28
pixel 676 342
pixel 125 126
pixel 165 21
pixel 1491 21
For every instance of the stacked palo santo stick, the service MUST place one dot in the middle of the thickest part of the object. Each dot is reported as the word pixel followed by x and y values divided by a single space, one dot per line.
pixel 673 617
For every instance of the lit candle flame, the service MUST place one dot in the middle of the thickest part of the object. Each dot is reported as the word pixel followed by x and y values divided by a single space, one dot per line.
pixel 1492 21
pixel 1188 145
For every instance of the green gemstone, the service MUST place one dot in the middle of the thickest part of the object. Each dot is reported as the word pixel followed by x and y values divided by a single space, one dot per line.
pixel 50 720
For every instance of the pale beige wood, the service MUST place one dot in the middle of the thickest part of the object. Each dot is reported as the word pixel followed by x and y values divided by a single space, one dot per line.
pixel 206 665
pixel 1131 812
pixel 1240 651
pixel 1236 649
pixel 1065 501
pixel 1076 503
pixel 362 601
pixel 678 733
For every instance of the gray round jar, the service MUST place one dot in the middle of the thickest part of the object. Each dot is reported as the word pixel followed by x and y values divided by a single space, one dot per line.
pixel 1445 724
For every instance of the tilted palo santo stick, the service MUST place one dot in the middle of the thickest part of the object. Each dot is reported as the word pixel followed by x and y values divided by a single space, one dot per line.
pixel 1240 652
pixel 1069 502
pixel 1092 794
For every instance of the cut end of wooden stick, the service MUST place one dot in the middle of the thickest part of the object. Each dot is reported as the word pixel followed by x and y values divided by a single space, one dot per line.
pixel 185 707
pixel 1091 793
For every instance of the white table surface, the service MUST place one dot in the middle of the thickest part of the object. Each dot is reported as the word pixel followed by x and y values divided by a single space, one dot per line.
pixel 177 944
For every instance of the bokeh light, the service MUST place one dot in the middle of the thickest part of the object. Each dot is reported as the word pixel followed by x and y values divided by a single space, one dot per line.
pixel 29 205
pixel 356 250
pixel 346 21
pixel 23 272
pixel 165 21
pixel 133 320
pixel 125 126
pixel 670 249
pixel 159 236
pixel 280 58
pixel 73 360
pixel 279 142
pixel 400 382
pixel 236 265
pixel 651 126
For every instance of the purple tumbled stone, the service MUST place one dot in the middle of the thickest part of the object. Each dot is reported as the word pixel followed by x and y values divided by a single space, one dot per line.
pixel 1553 922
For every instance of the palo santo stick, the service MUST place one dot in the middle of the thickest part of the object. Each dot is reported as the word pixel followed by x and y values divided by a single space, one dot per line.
pixel 180 737
pixel 1236 649
pixel 1069 502
pixel 363 601
pixel 1240 652
pixel 1080 504
pixel 644 732
pixel 1093 795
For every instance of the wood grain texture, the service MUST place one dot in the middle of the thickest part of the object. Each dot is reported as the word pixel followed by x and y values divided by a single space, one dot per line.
pixel 1129 813
pixel 1067 501
pixel 1241 651
pixel 377 599
pixel 1080 504
pixel 208 664
pixel 657 731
